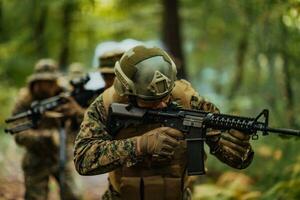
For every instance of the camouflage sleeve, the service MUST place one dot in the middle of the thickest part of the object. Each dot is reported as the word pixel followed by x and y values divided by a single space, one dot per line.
pixel 221 143
pixel 29 138
pixel 25 138
pixel 95 151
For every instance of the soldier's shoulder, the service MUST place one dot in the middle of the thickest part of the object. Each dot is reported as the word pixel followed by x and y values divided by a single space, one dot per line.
pixel 110 96
pixel 183 92
pixel 24 91
pixel 22 100
pixel 182 88
pixel 182 84
pixel 24 95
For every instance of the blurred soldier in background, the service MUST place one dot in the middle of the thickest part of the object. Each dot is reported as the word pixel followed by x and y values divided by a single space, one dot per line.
pixel 75 70
pixel 41 157
pixel 106 65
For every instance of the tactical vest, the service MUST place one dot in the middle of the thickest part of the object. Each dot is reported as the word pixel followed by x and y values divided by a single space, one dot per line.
pixel 152 178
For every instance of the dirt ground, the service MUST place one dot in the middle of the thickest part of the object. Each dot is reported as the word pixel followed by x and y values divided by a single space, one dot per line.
pixel 91 188
pixel 11 177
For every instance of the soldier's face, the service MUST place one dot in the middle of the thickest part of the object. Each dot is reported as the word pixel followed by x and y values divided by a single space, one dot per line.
pixel 45 89
pixel 161 103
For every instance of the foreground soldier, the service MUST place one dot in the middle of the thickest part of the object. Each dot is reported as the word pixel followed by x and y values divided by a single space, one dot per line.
pixel 41 156
pixel 148 161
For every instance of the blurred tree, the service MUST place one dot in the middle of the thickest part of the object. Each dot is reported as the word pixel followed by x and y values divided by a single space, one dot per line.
pixel 68 9
pixel 1 22
pixel 39 17
pixel 171 34
pixel 246 11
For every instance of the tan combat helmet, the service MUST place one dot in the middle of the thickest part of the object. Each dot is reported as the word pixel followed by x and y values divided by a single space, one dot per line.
pixel 75 70
pixel 147 73
pixel 107 61
pixel 45 69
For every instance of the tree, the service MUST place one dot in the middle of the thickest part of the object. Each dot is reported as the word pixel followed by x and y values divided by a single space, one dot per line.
pixel 171 34
pixel 68 9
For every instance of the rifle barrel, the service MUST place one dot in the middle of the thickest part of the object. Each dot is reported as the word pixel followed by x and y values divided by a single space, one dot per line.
pixel 19 116
pixel 284 131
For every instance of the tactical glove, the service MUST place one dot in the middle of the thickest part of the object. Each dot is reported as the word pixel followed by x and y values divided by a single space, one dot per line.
pixel 236 142
pixel 232 147
pixel 71 108
pixel 161 141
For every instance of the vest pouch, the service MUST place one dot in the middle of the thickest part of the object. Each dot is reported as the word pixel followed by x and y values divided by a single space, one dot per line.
pixel 130 188
pixel 153 188
pixel 173 188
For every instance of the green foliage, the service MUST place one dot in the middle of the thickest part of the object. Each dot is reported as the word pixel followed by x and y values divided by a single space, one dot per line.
pixel 212 30
pixel 6 101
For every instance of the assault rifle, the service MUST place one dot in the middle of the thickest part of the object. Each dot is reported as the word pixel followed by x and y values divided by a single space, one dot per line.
pixel 30 118
pixel 192 122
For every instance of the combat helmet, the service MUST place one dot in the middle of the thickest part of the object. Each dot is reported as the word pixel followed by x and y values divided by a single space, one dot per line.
pixel 45 69
pixel 147 73
pixel 75 70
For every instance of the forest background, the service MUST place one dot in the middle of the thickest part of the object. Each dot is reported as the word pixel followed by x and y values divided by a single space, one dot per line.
pixel 243 55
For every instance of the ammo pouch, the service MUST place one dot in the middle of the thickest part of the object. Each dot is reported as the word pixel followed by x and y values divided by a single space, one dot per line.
pixel 151 187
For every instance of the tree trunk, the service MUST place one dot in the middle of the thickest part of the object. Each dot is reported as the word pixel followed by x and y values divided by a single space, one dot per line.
pixel 289 95
pixel 67 11
pixel 240 65
pixel 39 30
pixel 2 37
pixel 172 36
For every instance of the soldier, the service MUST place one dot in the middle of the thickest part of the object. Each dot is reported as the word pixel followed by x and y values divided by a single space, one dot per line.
pixel 106 65
pixel 75 70
pixel 148 161
pixel 41 156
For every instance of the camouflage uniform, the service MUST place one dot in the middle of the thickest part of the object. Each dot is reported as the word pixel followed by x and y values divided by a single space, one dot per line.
pixel 41 157
pixel 147 177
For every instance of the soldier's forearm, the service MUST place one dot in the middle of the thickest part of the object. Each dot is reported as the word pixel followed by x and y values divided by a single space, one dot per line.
pixel 31 138
pixel 94 156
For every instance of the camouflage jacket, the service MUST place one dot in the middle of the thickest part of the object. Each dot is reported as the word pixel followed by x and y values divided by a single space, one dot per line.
pixel 97 152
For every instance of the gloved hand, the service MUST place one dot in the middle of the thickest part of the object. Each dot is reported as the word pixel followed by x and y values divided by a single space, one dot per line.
pixel 161 141
pixel 71 108
pixel 236 142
